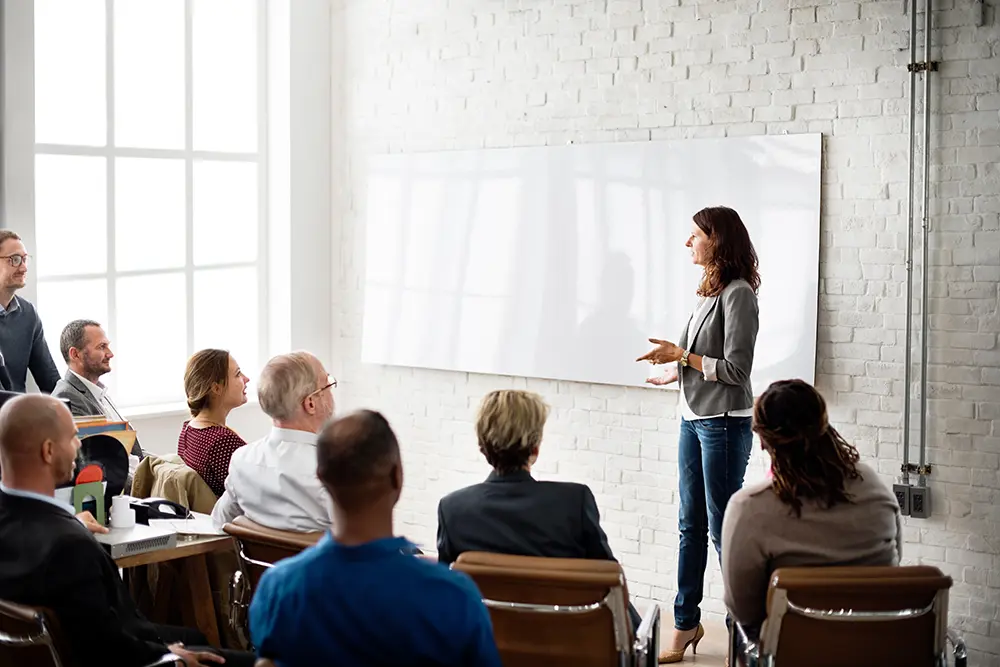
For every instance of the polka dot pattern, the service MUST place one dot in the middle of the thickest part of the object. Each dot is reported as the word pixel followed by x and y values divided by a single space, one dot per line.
pixel 207 451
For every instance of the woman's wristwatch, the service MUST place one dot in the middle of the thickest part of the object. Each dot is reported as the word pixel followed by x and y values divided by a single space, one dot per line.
pixel 684 358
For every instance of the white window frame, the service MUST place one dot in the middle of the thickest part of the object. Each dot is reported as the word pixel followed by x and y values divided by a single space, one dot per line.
pixel 304 151
pixel 189 156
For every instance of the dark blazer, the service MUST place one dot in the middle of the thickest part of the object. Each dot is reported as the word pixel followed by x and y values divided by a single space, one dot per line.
pixel 515 514
pixel 5 381
pixel 82 403
pixel 51 560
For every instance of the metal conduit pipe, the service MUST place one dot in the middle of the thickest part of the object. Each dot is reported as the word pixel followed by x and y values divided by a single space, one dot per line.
pixel 925 271
pixel 908 361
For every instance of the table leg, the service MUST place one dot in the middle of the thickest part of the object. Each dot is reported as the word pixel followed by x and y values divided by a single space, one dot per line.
pixel 199 606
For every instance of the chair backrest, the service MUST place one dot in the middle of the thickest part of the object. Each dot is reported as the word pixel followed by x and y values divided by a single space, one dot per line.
pixel 263 662
pixel 859 616
pixel 553 611
pixel 28 637
pixel 260 547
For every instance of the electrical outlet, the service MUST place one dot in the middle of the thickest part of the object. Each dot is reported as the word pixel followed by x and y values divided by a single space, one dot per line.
pixel 920 502
pixel 902 492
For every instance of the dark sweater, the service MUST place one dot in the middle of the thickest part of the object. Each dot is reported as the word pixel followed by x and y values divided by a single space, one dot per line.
pixel 22 344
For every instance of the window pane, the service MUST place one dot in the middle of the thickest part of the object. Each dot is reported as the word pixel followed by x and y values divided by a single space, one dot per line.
pixel 224 48
pixel 70 55
pixel 149 213
pixel 149 73
pixel 225 314
pixel 151 339
pixel 70 215
pixel 225 212
pixel 61 302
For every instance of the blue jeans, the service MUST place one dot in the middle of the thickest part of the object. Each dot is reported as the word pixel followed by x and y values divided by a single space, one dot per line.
pixel 712 458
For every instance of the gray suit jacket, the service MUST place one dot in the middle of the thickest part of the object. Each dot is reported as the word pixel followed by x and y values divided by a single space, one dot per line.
pixel 81 402
pixel 726 330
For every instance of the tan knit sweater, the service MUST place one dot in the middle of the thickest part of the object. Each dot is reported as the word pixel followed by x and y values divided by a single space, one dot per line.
pixel 761 534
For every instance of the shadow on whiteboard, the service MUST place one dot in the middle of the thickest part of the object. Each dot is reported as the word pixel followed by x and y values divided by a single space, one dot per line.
pixel 560 262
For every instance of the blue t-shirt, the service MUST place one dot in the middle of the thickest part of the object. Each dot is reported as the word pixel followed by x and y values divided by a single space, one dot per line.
pixel 368 606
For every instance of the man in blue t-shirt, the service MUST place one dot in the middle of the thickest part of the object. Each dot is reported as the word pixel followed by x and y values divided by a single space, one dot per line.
pixel 359 598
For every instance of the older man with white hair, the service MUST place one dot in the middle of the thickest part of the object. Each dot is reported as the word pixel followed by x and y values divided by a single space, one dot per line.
pixel 273 481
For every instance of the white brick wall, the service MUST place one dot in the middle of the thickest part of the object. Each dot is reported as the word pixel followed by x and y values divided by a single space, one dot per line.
pixel 445 74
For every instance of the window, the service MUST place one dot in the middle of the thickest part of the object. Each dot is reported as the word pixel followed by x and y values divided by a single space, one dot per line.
pixel 150 182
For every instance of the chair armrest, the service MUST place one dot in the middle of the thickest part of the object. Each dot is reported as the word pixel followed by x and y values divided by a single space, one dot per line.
pixel 169 660
pixel 646 646
pixel 958 648
pixel 742 651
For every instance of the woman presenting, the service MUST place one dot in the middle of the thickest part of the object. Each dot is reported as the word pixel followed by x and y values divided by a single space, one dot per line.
pixel 713 361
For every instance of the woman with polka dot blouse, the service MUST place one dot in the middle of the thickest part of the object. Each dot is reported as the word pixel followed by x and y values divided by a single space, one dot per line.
pixel 214 385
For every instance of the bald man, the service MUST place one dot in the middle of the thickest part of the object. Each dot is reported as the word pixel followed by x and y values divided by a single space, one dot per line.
pixel 51 560
pixel 360 597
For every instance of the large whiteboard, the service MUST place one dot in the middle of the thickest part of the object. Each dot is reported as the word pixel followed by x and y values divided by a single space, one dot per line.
pixel 560 262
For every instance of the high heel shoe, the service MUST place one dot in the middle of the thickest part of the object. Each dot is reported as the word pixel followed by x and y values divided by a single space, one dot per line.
pixel 669 655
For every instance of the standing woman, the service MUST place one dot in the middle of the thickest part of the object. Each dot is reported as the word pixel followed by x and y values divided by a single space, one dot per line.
pixel 713 361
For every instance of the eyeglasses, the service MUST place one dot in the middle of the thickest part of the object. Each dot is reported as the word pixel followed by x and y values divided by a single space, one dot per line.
pixel 330 385
pixel 16 260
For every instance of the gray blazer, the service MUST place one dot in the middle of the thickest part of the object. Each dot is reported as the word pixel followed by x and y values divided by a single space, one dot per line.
pixel 81 402
pixel 726 330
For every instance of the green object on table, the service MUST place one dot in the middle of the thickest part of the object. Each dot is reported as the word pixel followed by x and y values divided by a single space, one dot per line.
pixel 84 492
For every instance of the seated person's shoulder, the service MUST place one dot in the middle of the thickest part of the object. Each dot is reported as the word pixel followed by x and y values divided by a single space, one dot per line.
pixel 567 489
pixel 753 493
pixel 460 497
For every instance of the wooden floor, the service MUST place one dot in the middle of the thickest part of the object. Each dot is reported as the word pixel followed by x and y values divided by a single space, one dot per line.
pixel 711 649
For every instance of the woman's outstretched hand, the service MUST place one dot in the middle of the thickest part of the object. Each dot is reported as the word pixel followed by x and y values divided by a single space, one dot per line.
pixel 668 378
pixel 665 352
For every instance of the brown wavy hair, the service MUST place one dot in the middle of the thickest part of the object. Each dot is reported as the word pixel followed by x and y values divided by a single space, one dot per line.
pixel 205 369
pixel 809 458
pixel 732 253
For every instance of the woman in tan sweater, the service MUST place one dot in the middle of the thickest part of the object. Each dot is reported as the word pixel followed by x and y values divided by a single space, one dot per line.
pixel 820 507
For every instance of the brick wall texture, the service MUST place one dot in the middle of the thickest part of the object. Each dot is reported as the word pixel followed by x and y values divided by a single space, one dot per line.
pixel 416 75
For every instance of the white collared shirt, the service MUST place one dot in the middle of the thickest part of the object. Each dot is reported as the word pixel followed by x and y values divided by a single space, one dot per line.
pixel 100 394
pixel 273 482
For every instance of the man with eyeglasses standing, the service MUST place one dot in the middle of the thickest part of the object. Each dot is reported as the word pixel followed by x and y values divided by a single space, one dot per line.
pixel 22 340
pixel 273 481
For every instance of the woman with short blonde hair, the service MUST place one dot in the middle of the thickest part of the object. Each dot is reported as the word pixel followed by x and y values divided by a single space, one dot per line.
pixel 512 512
pixel 509 428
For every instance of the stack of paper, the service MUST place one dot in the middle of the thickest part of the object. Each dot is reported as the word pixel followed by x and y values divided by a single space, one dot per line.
pixel 200 524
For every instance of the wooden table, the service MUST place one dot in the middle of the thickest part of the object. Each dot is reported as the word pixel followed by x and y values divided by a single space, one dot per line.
pixel 198 602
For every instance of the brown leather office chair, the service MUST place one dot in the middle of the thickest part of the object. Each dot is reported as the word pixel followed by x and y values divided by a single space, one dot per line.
pixel 30 637
pixel 258 548
pixel 858 616
pixel 561 611
pixel 263 662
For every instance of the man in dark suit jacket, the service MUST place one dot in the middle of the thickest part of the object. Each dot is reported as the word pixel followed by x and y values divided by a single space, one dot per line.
pixel 51 560
pixel 87 352
pixel 511 512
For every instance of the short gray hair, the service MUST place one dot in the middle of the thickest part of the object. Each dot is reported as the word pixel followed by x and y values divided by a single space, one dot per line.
pixel 284 382
pixel 7 235
pixel 73 335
